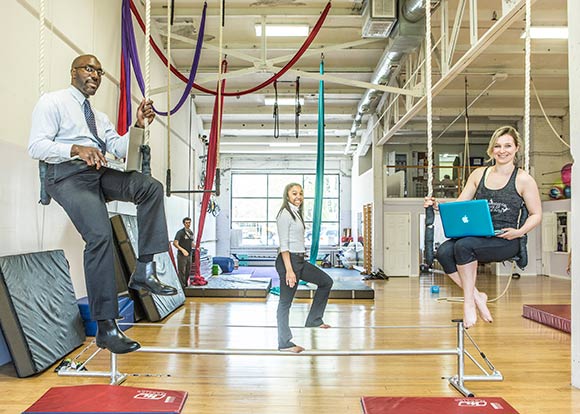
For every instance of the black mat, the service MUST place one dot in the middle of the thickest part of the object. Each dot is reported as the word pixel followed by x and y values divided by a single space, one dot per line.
pixel 155 307
pixel 38 310
pixel 228 285
pixel 341 289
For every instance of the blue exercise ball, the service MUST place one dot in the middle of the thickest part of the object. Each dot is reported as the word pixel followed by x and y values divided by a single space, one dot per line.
pixel 557 191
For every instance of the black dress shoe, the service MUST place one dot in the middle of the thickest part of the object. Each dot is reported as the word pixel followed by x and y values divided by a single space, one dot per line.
pixel 145 277
pixel 110 337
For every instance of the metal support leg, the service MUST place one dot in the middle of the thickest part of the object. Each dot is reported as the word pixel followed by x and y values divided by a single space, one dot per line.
pixel 116 378
pixel 457 381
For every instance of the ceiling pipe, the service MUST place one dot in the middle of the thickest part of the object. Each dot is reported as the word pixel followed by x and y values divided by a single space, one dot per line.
pixel 407 36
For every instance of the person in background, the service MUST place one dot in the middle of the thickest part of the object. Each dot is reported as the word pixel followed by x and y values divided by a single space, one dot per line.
pixel 183 242
pixel 292 266
pixel 72 139
pixel 449 186
pixel 508 189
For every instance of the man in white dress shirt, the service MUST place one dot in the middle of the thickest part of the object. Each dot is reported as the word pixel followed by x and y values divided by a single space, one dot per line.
pixel 72 138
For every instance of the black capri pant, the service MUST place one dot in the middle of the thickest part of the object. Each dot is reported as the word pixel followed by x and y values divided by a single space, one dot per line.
pixel 469 249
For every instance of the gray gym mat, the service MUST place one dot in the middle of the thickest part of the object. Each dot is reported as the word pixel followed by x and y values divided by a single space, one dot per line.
pixel 156 307
pixel 38 310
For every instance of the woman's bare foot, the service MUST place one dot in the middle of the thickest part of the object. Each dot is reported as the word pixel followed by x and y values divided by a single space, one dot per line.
pixel 296 349
pixel 324 326
pixel 481 304
pixel 469 314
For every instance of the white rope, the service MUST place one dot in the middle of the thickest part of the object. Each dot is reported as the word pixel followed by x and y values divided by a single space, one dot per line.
pixel 219 88
pixel 169 26
pixel 428 92
pixel 527 87
pixel 546 116
pixel 147 63
pixel 41 46
pixel 41 90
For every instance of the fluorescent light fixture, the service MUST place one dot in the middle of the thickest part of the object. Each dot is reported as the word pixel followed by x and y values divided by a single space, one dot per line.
pixel 284 144
pixel 547 32
pixel 283 30
pixel 283 101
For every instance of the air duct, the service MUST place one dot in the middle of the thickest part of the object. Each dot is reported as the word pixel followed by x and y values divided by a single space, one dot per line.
pixel 407 36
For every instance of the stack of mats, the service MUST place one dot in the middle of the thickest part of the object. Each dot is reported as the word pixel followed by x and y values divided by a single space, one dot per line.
pixel 155 307
pixel 205 263
pixel 39 315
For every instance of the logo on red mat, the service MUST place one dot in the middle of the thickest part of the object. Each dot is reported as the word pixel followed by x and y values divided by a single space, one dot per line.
pixel 149 395
pixel 472 402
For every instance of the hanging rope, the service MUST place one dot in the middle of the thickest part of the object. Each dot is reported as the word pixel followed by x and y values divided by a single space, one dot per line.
pixel 297 109
pixel 527 77
pixel 546 116
pixel 222 67
pixel 282 71
pixel 41 46
pixel 464 173
pixel 170 4
pixel 319 189
pixel 276 114
pixel 429 211
pixel 147 85
pixel 42 166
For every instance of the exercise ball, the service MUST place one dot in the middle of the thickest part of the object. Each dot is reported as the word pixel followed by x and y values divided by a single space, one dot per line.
pixel 557 191
pixel 567 192
pixel 566 173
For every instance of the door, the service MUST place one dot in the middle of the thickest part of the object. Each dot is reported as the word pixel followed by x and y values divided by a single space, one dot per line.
pixel 397 242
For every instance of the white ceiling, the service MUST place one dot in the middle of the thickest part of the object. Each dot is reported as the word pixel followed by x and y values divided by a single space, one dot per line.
pixel 248 124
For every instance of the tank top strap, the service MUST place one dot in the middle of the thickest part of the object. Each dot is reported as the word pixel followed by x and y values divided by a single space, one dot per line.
pixel 482 181
pixel 512 180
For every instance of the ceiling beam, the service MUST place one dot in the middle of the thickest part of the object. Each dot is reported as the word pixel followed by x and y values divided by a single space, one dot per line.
pixel 246 12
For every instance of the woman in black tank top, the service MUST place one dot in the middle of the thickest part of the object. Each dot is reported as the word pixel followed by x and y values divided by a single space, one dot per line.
pixel 508 189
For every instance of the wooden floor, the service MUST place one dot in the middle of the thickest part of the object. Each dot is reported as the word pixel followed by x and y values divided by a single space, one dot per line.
pixel 534 359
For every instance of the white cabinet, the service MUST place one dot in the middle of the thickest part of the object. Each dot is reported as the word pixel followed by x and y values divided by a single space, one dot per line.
pixel 556 227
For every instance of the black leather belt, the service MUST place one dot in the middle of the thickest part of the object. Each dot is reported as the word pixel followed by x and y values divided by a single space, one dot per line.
pixel 299 254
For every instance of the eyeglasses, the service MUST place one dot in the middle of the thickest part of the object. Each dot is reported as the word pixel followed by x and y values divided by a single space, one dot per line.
pixel 90 69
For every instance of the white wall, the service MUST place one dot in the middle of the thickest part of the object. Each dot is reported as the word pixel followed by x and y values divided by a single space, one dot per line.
pixel 93 26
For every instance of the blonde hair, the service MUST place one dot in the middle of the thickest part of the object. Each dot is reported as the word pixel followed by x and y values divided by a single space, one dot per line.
pixel 501 131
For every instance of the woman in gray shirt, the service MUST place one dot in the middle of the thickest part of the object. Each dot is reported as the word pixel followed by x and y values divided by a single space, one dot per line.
pixel 292 267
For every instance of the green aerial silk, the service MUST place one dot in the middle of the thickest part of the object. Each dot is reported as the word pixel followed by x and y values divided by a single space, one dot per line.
pixel 317 213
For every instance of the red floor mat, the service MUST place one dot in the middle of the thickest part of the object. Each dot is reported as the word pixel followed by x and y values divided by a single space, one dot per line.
pixel 108 399
pixel 555 316
pixel 437 405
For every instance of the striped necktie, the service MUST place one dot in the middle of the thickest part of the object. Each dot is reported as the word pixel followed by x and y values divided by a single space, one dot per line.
pixel 92 124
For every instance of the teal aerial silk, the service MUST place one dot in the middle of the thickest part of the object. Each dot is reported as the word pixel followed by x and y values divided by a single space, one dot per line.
pixel 317 213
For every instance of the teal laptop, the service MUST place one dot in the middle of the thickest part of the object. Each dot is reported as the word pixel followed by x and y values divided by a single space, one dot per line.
pixel 466 218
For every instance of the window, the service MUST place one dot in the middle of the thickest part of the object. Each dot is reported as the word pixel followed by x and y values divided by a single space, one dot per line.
pixel 256 200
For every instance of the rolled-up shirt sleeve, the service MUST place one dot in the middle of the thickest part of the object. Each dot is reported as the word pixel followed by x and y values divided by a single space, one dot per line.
pixel 45 125
pixel 283 223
